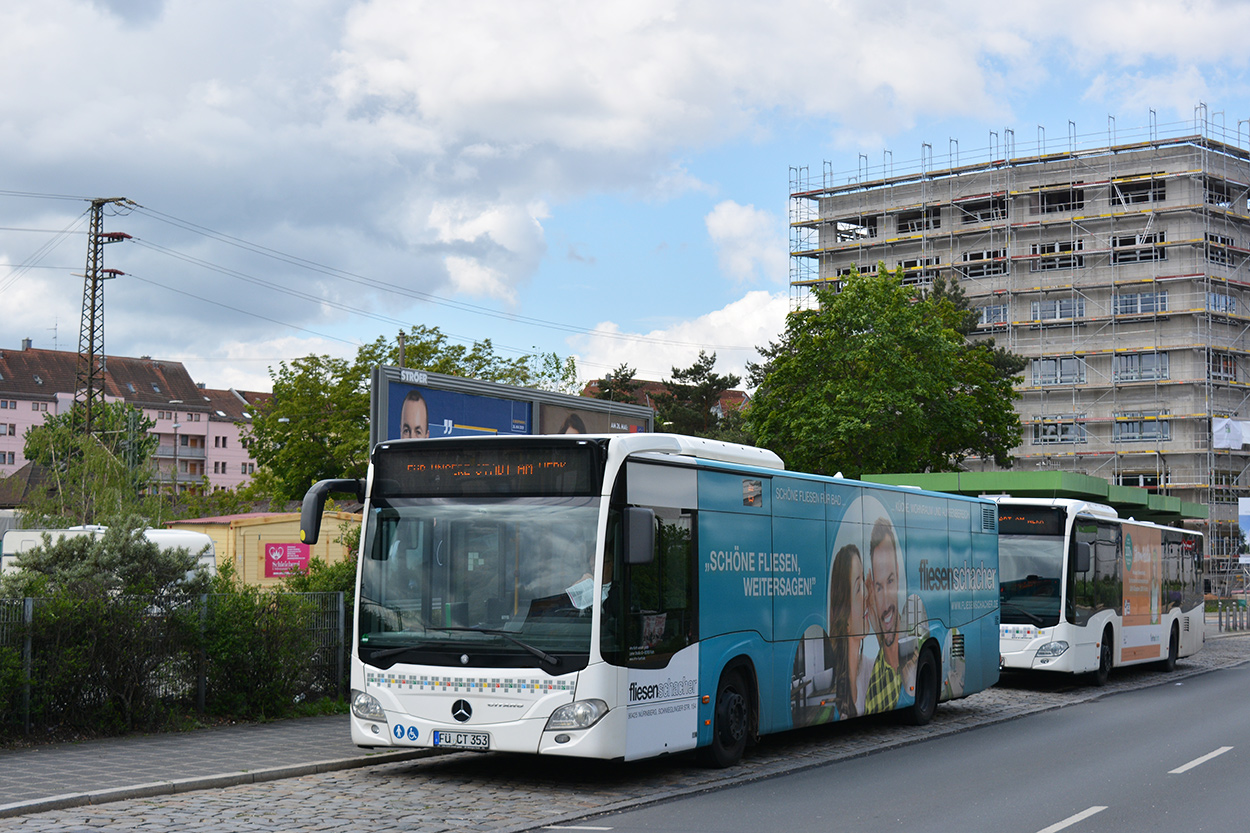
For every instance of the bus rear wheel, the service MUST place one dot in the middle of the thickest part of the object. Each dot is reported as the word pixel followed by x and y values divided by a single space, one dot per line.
pixel 924 706
pixel 731 722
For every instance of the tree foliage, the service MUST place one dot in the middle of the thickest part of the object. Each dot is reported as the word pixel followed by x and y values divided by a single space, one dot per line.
pixel 97 477
pixel 619 385
pixel 880 378
pixel 690 403
pixel 316 425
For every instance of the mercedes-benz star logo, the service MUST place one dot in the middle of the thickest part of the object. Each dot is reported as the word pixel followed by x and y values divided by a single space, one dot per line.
pixel 461 710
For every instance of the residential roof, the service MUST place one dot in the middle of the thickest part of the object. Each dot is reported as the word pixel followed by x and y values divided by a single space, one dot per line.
pixel 145 382
pixel 16 489
pixel 646 391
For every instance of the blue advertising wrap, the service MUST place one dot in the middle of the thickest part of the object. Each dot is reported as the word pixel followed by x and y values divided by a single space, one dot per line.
pixel 842 585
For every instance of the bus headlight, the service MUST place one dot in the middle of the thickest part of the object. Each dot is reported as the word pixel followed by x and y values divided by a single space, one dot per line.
pixel 367 707
pixel 579 715
pixel 1052 649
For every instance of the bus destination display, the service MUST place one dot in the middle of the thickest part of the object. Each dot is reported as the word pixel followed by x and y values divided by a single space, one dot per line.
pixel 1029 520
pixel 565 470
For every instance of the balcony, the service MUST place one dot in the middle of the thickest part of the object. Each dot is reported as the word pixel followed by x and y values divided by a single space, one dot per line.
pixel 184 452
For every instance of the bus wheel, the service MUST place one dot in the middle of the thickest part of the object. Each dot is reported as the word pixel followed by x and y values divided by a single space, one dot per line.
pixel 1104 659
pixel 731 721
pixel 1174 648
pixel 924 707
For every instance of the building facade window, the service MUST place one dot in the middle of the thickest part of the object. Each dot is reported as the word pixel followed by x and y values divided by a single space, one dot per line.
pixel 1138 248
pixel 911 222
pixel 1219 193
pixel 1221 303
pixel 850 229
pixel 847 271
pixel 1141 480
pixel 1058 309
pixel 1141 303
pixel 1139 367
pixel 1141 426
pixel 1058 370
pixel 982 211
pixel 1135 193
pixel 1063 199
pixel 1223 367
pixel 1217 249
pixel 993 314
pixel 1064 428
pixel 984 263
pixel 1061 254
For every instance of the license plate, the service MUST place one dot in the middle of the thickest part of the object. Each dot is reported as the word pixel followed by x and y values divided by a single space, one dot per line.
pixel 479 741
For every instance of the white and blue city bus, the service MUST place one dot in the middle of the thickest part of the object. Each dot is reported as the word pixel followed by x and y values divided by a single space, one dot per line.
pixel 626 596
pixel 1085 591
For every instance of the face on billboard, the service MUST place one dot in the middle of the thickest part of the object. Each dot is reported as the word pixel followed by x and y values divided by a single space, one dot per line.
pixel 414 418
pixel 885 583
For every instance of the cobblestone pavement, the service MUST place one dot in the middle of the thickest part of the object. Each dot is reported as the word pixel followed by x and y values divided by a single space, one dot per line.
pixel 499 793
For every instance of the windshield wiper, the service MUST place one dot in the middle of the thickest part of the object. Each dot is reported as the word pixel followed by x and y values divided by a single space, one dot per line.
pixel 383 653
pixel 1033 617
pixel 538 652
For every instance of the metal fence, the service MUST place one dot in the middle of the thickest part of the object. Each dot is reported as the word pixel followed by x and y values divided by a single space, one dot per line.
pixel 119 663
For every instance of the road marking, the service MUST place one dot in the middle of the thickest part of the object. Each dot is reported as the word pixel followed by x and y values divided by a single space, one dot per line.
pixel 573 827
pixel 1198 761
pixel 1071 820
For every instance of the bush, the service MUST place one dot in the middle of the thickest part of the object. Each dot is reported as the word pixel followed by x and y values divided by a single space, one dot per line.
pixel 259 649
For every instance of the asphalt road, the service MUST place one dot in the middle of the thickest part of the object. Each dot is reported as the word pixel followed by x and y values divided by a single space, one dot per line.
pixel 1144 760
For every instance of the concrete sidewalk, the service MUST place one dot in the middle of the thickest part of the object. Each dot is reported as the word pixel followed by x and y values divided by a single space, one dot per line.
pixel 61 775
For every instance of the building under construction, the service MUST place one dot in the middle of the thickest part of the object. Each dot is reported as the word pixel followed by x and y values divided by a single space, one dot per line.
pixel 1118 270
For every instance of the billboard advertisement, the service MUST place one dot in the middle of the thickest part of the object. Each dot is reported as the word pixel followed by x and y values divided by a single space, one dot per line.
pixel 416 404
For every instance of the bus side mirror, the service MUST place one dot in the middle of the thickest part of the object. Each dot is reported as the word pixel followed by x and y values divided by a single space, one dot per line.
pixel 315 504
pixel 639 535
pixel 1082 557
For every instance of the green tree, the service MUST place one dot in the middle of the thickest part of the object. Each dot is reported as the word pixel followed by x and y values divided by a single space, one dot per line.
pixel 107 474
pixel 316 425
pixel 880 378
pixel 619 385
pixel 691 402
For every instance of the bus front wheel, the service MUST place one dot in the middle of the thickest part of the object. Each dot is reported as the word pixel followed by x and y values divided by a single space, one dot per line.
pixel 1104 659
pixel 1174 649
pixel 731 722
pixel 924 706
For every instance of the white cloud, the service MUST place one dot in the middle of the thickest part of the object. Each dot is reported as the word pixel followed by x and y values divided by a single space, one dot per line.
pixel 430 144
pixel 749 242
pixel 733 333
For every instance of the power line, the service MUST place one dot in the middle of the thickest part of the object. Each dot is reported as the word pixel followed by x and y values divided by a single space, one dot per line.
pixel 461 306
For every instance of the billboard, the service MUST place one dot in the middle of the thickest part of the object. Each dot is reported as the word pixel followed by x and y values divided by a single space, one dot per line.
pixel 416 404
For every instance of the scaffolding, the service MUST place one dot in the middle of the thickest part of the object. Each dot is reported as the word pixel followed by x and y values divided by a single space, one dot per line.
pixel 1118 266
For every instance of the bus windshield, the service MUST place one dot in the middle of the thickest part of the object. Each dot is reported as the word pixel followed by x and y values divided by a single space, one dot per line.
pixel 479 582
pixel 1030 577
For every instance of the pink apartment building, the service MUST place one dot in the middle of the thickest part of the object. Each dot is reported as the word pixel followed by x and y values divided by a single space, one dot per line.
pixel 199 429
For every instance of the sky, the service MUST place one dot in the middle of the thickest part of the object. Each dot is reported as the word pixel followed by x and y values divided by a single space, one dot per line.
pixel 604 180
